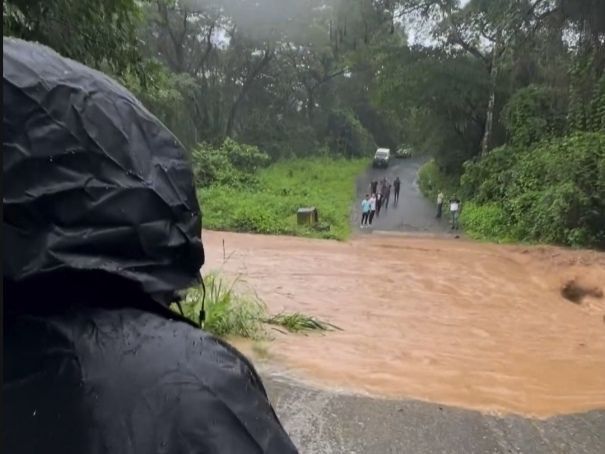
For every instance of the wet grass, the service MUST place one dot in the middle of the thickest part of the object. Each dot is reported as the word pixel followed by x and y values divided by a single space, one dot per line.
pixel 270 206
pixel 230 311
pixel 297 322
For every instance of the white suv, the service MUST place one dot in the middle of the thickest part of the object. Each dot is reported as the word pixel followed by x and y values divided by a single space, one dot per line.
pixel 381 157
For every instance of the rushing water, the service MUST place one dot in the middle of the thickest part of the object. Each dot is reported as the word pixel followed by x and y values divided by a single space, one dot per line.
pixel 461 323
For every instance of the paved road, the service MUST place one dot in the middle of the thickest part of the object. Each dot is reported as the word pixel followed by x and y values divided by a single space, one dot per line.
pixel 414 212
pixel 322 422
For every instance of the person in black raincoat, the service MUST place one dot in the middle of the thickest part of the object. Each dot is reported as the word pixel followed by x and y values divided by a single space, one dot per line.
pixel 101 231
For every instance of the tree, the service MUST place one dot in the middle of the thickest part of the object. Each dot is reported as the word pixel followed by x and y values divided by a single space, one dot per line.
pixel 100 33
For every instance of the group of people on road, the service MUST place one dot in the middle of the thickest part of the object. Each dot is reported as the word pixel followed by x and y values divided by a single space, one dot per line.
pixel 380 193
pixel 378 198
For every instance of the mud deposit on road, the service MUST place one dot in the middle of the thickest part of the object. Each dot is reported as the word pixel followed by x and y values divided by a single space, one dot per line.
pixel 467 324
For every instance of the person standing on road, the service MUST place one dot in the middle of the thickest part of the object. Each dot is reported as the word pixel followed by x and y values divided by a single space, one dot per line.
pixel 396 187
pixel 386 194
pixel 382 185
pixel 439 204
pixel 365 211
pixel 455 211
pixel 378 204
pixel 373 187
pixel 372 208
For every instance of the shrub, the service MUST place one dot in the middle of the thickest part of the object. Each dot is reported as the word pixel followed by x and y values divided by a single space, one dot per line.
pixel 232 164
pixel 551 215
pixel 553 192
pixel 230 312
pixel 488 179
pixel 297 322
pixel 485 222
pixel 257 219
pixel 558 195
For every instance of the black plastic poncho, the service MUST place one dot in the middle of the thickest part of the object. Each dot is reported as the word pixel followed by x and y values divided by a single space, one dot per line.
pixel 101 229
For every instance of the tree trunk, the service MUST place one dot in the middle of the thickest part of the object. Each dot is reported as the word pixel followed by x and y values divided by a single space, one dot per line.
pixel 233 113
pixel 310 105
pixel 245 87
pixel 489 118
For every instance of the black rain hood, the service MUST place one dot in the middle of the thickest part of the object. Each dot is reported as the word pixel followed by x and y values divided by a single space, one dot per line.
pixel 100 223
pixel 92 180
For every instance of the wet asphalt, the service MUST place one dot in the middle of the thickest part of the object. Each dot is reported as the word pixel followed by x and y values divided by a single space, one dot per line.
pixel 413 214
pixel 324 422
pixel 330 422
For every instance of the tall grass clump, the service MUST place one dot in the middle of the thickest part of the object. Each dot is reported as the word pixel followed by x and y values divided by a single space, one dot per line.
pixel 231 312
pixel 228 312
pixel 296 322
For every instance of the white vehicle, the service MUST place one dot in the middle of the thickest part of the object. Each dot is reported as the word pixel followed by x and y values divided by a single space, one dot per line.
pixel 382 157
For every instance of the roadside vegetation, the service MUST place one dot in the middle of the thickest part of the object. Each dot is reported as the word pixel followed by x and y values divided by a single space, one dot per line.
pixel 518 127
pixel 240 192
pixel 507 97
pixel 296 322
pixel 551 191
pixel 232 310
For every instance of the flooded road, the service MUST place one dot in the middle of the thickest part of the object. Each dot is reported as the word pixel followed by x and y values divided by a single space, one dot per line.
pixel 466 324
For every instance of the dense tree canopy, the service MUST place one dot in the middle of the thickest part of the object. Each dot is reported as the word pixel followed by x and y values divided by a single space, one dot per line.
pixel 98 33
pixel 497 91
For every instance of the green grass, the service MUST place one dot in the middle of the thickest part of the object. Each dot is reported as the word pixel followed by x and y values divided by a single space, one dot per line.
pixel 487 222
pixel 228 312
pixel 297 322
pixel 232 312
pixel 270 207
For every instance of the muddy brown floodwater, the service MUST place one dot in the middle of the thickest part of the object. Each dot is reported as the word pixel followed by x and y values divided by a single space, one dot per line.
pixel 451 321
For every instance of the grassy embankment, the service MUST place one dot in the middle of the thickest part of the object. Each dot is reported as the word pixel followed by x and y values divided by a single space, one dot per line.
pixel 270 205
pixel 548 192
